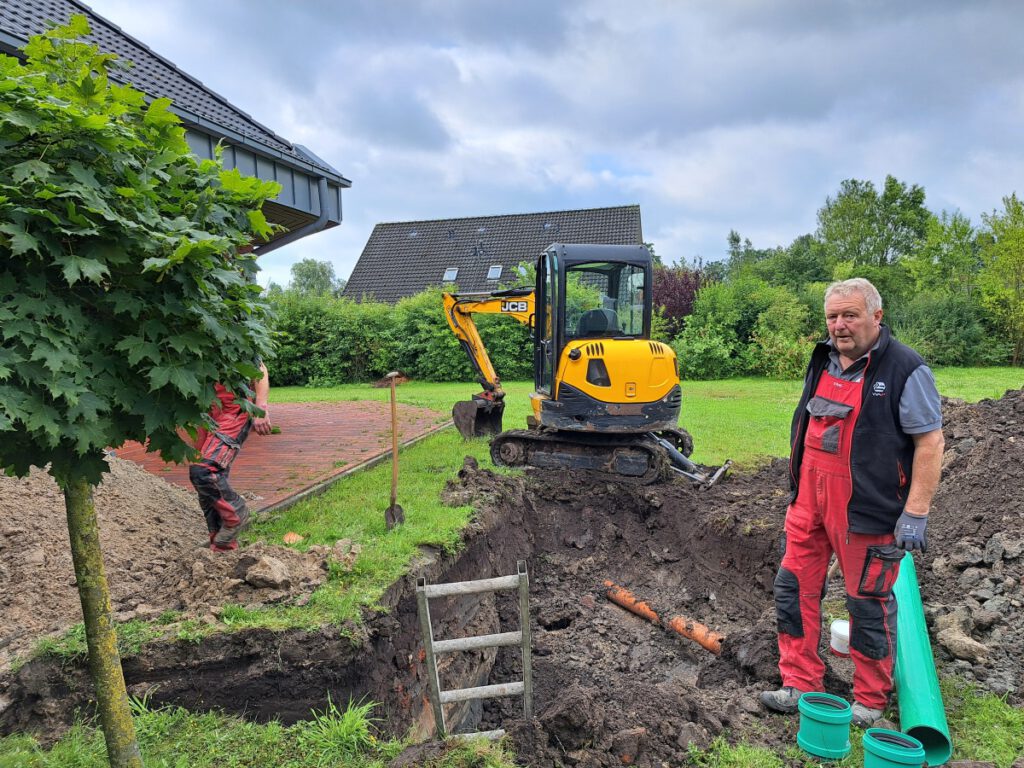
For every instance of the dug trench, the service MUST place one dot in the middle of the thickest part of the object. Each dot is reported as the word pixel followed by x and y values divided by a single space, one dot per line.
pixel 609 688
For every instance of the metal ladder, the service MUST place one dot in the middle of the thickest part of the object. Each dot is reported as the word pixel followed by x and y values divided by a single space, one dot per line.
pixel 524 687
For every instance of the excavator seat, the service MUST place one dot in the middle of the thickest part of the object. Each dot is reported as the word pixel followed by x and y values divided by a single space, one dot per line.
pixel 597 322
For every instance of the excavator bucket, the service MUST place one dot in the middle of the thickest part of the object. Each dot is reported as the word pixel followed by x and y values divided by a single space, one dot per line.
pixel 478 417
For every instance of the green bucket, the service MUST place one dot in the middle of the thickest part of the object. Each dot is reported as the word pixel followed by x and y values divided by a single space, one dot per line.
pixel 891 749
pixel 824 725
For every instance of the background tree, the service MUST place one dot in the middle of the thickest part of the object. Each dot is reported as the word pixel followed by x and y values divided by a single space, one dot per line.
pixel 871 229
pixel 315 278
pixel 123 298
pixel 1002 275
pixel 950 256
pixel 674 291
pixel 867 234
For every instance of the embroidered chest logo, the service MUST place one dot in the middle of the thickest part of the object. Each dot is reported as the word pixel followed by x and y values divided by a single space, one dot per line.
pixel 878 389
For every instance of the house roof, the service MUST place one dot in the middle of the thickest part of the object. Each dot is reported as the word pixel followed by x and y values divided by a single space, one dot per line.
pixel 402 258
pixel 208 117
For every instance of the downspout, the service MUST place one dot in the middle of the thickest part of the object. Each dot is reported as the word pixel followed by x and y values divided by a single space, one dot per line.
pixel 308 229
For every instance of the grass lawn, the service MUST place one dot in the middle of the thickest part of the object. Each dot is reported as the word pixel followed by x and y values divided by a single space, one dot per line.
pixel 743 419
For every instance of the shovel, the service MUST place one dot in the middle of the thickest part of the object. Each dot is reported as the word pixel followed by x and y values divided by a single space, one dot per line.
pixel 394 514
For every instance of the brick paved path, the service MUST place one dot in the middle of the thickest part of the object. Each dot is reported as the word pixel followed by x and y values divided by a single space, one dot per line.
pixel 317 441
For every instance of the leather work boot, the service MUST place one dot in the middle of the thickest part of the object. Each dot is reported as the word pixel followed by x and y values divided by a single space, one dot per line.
pixel 784 700
pixel 864 717
pixel 225 538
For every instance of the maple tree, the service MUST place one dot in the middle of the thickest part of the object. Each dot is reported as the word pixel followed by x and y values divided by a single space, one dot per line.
pixel 123 295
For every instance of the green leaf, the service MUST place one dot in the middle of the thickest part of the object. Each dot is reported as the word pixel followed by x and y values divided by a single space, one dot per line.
pixel 158 113
pixel 155 264
pixel 126 304
pixel 20 242
pixel 185 382
pixel 159 375
pixel 22 119
pixel 259 225
pixel 31 169
pixel 14 402
pixel 53 357
pixel 84 176
pixel 44 418
pixel 139 349
pixel 77 267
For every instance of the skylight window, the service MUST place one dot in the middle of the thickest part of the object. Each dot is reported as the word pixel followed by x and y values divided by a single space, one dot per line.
pixel 414 233
pixel 450 274
pixel 494 272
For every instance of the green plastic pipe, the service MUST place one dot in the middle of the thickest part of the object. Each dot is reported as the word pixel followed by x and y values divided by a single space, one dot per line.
pixel 922 714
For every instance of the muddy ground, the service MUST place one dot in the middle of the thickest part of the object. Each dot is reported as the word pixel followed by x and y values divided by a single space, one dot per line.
pixel 156 554
pixel 610 688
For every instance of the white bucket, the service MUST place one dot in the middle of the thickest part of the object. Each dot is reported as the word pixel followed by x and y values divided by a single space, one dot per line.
pixel 840 637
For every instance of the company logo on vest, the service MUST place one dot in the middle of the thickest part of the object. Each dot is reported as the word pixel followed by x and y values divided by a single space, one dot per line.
pixel 878 389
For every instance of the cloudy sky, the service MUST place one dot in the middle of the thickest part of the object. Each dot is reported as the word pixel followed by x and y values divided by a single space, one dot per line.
pixel 712 115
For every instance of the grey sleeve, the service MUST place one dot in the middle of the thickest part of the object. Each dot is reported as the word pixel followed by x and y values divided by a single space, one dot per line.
pixel 920 406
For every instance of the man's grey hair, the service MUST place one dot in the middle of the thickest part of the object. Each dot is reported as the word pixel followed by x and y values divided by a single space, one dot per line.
pixel 872 298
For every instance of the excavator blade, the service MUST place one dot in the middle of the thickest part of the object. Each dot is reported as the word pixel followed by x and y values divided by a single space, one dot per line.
pixel 477 417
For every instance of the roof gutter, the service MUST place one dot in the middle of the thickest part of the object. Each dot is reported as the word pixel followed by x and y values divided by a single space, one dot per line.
pixel 308 229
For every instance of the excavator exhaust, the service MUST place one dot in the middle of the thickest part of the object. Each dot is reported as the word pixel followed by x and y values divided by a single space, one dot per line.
pixel 478 417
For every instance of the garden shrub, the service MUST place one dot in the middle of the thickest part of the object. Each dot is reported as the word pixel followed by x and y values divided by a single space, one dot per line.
pixel 946 329
pixel 706 353
pixel 427 349
pixel 324 340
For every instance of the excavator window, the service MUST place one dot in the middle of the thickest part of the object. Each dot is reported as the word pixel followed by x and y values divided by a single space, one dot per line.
pixel 604 299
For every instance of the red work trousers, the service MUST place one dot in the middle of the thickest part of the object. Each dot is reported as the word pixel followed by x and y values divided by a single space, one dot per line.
pixel 816 526
pixel 221 504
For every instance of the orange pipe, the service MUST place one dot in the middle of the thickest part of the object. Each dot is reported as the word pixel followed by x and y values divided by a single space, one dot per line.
pixel 681 625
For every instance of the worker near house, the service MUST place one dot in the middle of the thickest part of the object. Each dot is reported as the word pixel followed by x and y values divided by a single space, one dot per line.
pixel 866 456
pixel 225 511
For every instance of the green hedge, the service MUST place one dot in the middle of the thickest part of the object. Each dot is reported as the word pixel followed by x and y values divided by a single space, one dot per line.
pixel 323 341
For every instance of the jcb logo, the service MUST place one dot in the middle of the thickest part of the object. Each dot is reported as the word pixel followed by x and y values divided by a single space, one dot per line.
pixel 513 306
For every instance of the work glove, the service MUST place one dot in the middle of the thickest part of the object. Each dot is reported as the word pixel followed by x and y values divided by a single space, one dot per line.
pixel 910 532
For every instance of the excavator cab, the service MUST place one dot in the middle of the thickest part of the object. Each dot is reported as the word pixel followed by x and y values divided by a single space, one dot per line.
pixel 595 368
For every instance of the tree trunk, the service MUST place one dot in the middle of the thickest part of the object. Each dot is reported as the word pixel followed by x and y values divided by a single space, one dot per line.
pixel 104 661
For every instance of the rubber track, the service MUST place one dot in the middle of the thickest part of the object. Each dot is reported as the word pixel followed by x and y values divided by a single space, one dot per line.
pixel 578 451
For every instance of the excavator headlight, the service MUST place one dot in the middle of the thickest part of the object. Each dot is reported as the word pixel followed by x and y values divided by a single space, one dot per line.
pixel 597 373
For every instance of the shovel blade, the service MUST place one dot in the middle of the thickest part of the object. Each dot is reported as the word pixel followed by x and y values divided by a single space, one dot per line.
pixel 394 515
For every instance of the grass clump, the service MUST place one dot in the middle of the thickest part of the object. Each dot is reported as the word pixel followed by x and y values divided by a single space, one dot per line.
pixel 131 636
pixel 982 725
pixel 172 737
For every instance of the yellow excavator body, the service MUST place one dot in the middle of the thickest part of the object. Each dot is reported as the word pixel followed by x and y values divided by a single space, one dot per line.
pixel 607 396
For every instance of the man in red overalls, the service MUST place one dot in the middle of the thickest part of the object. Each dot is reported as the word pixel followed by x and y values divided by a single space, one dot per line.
pixel 225 511
pixel 866 455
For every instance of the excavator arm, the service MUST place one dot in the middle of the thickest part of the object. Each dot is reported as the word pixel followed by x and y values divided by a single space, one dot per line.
pixel 481 415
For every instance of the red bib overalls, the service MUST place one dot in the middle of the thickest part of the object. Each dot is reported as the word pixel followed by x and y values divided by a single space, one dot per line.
pixel 817 526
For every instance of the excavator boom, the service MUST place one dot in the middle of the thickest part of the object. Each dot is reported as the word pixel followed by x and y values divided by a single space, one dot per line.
pixel 482 415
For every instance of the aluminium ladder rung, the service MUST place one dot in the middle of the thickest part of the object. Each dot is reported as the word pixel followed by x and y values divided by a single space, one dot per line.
pixel 492 735
pixel 482 692
pixel 471 587
pixel 480 641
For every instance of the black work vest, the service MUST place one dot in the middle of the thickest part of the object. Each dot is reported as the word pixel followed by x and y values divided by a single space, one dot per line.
pixel 882 455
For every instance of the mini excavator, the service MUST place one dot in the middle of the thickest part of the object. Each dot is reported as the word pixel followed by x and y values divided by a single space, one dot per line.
pixel 606 396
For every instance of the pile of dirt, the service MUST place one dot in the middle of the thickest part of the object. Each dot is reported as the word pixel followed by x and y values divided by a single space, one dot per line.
pixel 155 551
